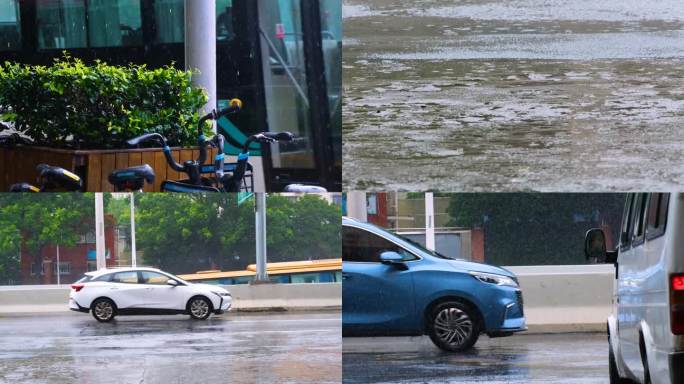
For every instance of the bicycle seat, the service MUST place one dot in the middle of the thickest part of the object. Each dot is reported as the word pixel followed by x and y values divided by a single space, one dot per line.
pixel 132 178
pixel 179 186
pixel 51 177
pixel 301 188
pixel 23 187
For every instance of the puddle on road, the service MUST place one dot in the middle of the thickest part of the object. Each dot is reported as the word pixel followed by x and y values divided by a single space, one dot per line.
pixel 521 95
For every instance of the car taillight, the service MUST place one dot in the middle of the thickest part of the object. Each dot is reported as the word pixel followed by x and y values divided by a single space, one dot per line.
pixel 77 287
pixel 677 304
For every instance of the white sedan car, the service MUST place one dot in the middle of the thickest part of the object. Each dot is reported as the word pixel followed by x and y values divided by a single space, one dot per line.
pixel 145 291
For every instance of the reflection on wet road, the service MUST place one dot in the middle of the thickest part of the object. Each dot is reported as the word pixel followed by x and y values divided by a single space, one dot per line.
pixel 264 348
pixel 513 95
pixel 551 358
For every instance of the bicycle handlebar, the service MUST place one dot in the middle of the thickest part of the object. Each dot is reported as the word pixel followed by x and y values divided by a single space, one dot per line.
pixel 267 137
pixel 162 141
pixel 147 137
pixel 234 106
pixel 192 168
pixel 233 182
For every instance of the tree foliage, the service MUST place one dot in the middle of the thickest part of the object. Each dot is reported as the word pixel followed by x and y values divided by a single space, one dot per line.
pixel 181 233
pixel 71 104
pixel 185 233
pixel 41 220
pixel 536 228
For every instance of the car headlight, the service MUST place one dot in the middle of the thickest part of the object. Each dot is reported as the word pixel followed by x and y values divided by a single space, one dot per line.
pixel 224 294
pixel 495 279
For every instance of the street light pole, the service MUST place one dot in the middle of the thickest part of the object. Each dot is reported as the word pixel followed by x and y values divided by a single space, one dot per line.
pixel 99 232
pixel 58 280
pixel 133 255
pixel 260 224
pixel 357 206
pixel 429 221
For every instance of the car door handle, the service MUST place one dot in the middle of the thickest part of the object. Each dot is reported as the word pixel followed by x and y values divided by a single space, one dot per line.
pixel 345 276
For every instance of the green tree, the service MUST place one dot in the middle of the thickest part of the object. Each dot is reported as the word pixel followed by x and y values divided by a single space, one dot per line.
pixel 307 228
pixel 37 221
pixel 185 233
pixel 536 228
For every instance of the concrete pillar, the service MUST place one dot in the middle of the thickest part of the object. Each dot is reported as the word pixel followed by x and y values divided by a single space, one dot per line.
pixel 200 46
pixel 47 271
pixel 477 246
pixel 357 206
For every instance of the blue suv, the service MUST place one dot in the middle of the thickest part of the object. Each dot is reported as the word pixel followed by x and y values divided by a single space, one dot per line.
pixel 395 287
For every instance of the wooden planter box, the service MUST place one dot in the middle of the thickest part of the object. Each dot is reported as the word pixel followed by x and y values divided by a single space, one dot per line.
pixel 93 166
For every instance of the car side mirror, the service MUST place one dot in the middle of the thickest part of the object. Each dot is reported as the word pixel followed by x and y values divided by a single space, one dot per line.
pixel 595 247
pixel 394 259
pixel 172 282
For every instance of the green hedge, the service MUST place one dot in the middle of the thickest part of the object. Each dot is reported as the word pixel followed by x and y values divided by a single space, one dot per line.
pixel 74 105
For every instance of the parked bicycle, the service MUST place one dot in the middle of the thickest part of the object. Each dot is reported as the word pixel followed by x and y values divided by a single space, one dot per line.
pixel 217 177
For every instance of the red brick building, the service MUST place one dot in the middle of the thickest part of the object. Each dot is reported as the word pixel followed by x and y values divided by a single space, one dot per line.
pixel 73 261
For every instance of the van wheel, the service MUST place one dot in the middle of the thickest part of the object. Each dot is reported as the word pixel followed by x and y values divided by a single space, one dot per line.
pixel 453 326
pixel 104 310
pixel 612 368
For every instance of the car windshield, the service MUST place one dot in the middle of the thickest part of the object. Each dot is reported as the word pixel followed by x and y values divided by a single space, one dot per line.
pixel 417 245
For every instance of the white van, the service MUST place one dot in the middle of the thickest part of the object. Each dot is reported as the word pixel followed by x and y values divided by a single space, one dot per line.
pixel 646 328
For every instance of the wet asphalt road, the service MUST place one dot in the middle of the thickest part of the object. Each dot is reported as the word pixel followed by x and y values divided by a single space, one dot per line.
pixel 549 358
pixel 505 95
pixel 301 347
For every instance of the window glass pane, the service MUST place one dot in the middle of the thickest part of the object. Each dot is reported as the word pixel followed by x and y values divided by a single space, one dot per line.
pixel 126 277
pixel 10 31
pixel 170 20
pixel 280 279
pixel 653 212
pixel 625 236
pixel 61 23
pixel 640 207
pixel 287 101
pixel 114 23
pixel 64 268
pixel 224 20
pixel 153 278
pixel 657 214
pixel 363 246
pixel 107 277
pixel 662 216
pixel 331 32
pixel 308 278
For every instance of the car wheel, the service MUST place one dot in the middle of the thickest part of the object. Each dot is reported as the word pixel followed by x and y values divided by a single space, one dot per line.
pixel 199 308
pixel 612 368
pixel 104 310
pixel 453 326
